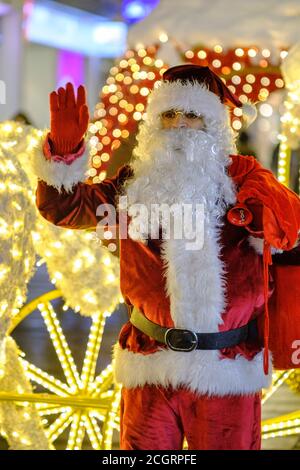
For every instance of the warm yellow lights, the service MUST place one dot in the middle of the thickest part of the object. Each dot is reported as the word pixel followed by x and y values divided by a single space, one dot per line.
pixel 163 37
pixel 263 94
pixel 216 63
pixel 202 54
pixel 147 61
pixel 236 66
pixel 237 125
pixel 87 403
pixel 239 52
pixel 283 54
pixel 252 52
pixel 144 91
pixel 247 88
pixel 141 53
pixel 250 78
pixel 218 49
pixel 189 54
pixel 266 110
pixel 290 131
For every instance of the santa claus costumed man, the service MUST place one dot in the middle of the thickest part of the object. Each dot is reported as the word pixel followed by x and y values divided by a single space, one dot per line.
pixel 190 360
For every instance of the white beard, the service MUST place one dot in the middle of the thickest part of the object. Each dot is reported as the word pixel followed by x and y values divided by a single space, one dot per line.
pixel 179 166
pixel 186 166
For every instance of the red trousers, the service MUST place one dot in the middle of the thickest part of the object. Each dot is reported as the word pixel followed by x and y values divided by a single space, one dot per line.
pixel 157 418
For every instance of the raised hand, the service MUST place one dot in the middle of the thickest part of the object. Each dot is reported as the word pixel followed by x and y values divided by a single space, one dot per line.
pixel 69 118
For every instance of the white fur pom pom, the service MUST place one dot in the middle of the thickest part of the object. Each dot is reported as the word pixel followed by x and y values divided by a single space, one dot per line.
pixel 249 113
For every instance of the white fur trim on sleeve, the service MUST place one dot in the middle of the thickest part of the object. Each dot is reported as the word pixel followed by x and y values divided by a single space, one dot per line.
pixel 258 245
pixel 58 174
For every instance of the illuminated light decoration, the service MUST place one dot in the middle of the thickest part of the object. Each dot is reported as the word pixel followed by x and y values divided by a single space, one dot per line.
pixel 163 37
pixel 85 402
pixel 266 110
pixel 236 79
pixel 134 89
pixel 279 83
pixel 106 140
pixel 218 49
pixel 141 53
pixel 16 269
pixel 84 32
pixel 283 54
pixel 266 53
pixel 237 112
pixel 114 70
pixel 189 54
pixel 135 68
pixel 226 70
pixel 293 380
pixel 286 425
pixel 158 63
pixel 243 98
pixel 263 63
pixel 216 63
pixel 279 378
pixel 202 54
pixel 281 426
pixel 147 61
pixel 252 52
pixel 116 143
pixel 239 52
pixel 129 54
pixel 236 66
pixel 122 118
pixel 139 107
pixel 137 116
pixel 232 88
pixel 102 175
pixel 144 91
pixel 237 125
pixel 247 88
pixel 143 75
pixel 119 77
pixel 289 136
pixel 263 94
pixel 250 78
pixel 91 172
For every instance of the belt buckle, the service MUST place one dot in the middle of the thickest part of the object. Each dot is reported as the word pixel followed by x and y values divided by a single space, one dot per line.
pixel 190 336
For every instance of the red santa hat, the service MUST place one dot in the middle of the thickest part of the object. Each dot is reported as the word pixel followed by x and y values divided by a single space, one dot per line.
pixel 196 88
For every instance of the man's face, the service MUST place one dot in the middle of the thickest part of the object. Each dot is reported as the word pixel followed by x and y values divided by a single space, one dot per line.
pixel 175 119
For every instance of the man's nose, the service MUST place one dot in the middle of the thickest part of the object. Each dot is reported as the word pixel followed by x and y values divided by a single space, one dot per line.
pixel 178 122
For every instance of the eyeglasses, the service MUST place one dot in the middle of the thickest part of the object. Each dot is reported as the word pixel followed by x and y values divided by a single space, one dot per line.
pixel 172 113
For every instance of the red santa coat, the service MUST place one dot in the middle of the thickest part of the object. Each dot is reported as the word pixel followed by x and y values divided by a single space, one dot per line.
pixel 64 199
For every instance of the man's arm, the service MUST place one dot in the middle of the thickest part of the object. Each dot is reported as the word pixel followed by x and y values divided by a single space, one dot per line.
pixel 76 209
pixel 61 163
pixel 276 209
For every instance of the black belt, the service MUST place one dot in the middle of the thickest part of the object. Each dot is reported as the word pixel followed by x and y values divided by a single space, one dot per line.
pixel 181 339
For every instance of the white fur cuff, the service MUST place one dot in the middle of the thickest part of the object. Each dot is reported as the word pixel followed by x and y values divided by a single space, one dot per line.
pixel 58 174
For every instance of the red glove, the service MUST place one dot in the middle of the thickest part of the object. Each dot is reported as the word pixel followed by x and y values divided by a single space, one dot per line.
pixel 69 119
pixel 240 215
